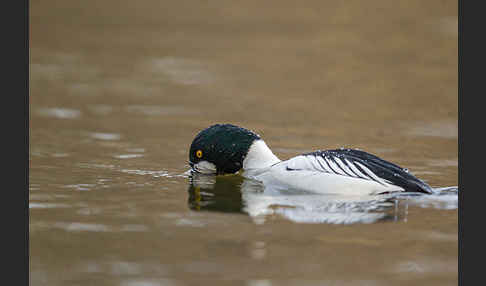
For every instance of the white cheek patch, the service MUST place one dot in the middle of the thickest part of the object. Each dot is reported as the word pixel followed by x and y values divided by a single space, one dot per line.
pixel 205 167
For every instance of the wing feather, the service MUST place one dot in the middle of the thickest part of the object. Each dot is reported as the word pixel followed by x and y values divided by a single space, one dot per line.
pixel 359 164
pixel 334 166
pixel 344 167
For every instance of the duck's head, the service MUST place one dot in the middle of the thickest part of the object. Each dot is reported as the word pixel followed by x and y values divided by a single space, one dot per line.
pixel 221 149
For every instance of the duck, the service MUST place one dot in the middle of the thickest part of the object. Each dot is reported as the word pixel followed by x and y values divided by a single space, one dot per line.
pixel 222 149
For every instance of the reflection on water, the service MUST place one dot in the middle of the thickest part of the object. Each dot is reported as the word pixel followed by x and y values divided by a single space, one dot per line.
pixel 234 193
pixel 216 193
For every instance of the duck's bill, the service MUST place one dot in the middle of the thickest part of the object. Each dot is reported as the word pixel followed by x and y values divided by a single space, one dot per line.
pixel 204 167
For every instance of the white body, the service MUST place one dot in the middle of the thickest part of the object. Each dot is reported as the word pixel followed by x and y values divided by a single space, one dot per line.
pixel 262 165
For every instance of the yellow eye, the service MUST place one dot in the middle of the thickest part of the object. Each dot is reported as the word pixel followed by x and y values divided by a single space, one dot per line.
pixel 199 153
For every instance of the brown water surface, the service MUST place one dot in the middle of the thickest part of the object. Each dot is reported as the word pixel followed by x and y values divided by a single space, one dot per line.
pixel 120 88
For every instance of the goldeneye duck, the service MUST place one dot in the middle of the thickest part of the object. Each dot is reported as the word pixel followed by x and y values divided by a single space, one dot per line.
pixel 227 149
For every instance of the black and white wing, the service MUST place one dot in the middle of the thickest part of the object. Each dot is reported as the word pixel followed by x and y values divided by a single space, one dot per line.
pixel 359 164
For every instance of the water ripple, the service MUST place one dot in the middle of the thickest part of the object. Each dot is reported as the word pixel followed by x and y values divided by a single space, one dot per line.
pixel 128 156
pixel 59 112
pixel 77 226
pixel 105 136
pixel 47 205
pixel 238 194
pixel 182 71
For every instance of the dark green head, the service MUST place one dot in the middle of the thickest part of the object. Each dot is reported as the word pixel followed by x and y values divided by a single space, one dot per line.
pixel 220 149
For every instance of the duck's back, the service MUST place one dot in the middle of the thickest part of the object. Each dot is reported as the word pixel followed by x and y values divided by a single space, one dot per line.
pixel 342 171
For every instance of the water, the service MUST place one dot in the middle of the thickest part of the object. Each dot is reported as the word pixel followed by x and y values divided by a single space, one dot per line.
pixel 117 95
pixel 234 193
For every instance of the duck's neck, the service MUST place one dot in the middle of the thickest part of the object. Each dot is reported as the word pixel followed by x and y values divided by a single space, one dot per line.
pixel 259 156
